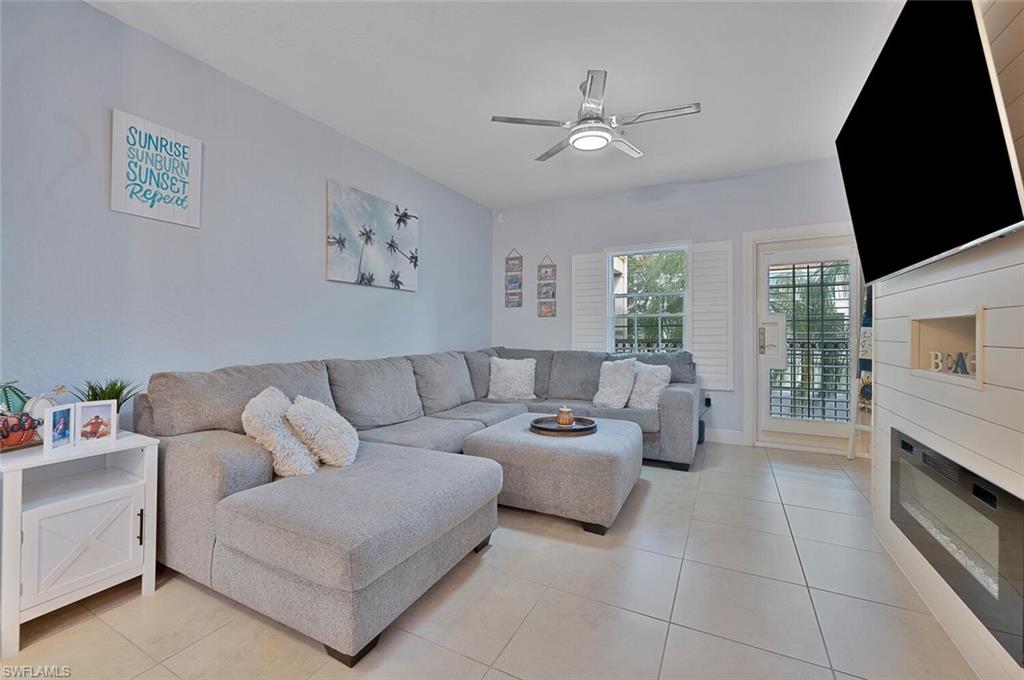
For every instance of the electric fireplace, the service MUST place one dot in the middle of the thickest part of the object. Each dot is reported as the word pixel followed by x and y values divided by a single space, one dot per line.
pixel 970 531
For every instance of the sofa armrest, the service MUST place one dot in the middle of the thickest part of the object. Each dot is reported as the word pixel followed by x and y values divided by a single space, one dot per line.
pixel 679 413
pixel 197 471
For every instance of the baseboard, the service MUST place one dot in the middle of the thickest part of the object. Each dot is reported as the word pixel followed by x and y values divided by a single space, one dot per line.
pixel 726 437
pixel 808 449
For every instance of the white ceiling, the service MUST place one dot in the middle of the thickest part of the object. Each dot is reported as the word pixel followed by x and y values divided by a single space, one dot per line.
pixel 419 81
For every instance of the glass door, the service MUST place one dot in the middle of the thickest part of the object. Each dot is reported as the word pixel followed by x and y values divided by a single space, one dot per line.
pixel 805 328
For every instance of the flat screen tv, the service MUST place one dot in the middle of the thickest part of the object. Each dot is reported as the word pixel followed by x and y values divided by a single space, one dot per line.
pixel 925 156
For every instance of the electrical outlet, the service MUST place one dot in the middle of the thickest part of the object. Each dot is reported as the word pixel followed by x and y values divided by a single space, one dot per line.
pixel 707 401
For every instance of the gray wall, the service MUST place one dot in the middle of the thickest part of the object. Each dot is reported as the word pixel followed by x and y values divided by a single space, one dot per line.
pixel 710 210
pixel 91 293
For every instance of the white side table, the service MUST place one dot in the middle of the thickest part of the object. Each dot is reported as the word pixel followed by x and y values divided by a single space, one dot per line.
pixel 73 522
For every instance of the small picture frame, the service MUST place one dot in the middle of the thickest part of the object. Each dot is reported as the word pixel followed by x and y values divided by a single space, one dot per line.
pixel 546 309
pixel 59 427
pixel 514 298
pixel 547 272
pixel 513 282
pixel 546 290
pixel 513 264
pixel 95 422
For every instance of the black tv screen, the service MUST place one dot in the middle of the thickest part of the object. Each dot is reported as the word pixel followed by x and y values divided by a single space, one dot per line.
pixel 923 153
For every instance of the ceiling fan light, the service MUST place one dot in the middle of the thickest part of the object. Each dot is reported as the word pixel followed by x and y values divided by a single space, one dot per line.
pixel 590 137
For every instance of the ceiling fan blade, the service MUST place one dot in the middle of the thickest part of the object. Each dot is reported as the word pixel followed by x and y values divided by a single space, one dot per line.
pixel 553 150
pixel 593 94
pixel 533 121
pixel 622 119
pixel 620 143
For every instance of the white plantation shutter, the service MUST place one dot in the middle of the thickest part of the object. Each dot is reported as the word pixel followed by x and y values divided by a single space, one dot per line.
pixel 711 294
pixel 590 302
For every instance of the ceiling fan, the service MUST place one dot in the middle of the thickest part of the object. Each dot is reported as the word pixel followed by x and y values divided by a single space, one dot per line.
pixel 592 129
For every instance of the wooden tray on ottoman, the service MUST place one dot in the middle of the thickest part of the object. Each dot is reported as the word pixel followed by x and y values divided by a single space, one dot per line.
pixel 579 428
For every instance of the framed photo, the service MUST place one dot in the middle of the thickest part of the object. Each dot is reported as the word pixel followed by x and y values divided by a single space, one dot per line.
pixel 95 421
pixel 514 298
pixel 513 282
pixel 547 272
pixel 546 290
pixel 513 264
pixel 58 427
pixel 546 309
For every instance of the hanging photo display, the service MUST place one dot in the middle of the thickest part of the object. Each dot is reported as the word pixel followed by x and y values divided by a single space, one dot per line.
pixel 547 287
pixel 513 279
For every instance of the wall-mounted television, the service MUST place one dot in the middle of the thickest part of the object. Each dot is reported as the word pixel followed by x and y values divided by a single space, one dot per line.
pixel 926 157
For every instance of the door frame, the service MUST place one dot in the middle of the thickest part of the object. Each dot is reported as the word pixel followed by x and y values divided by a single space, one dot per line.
pixel 751 241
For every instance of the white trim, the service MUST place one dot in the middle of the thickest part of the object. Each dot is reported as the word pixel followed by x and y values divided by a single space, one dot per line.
pixel 784 446
pixel 751 239
pixel 718 436
pixel 648 248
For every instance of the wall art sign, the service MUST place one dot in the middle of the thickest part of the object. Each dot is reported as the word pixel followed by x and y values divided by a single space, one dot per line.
pixel 370 241
pixel 513 279
pixel 155 172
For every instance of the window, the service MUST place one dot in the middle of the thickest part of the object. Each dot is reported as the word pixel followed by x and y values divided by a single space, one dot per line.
pixel 815 384
pixel 648 300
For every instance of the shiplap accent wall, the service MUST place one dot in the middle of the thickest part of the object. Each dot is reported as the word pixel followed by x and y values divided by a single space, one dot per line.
pixel 982 429
pixel 1004 27
pixel 590 302
pixel 711 300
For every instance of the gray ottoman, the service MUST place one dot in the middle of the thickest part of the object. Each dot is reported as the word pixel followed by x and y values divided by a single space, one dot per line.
pixel 582 478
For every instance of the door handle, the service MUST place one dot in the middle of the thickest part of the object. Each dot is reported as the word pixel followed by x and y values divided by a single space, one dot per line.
pixel 142 525
pixel 760 340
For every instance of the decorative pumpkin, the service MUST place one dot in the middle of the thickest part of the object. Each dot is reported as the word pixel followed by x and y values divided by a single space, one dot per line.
pixel 17 430
pixel 12 399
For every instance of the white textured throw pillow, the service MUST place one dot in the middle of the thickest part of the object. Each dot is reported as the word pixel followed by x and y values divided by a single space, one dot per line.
pixel 512 378
pixel 615 384
pixel 330 437
pixel 650 381
pixel 264 420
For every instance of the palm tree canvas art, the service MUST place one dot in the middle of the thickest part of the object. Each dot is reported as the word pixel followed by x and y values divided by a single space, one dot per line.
pixel 370 241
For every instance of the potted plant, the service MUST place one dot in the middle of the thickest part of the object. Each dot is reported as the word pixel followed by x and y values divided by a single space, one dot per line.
pixel 114 388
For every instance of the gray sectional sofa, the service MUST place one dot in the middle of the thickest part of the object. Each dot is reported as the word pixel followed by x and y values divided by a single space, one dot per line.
pixel 339 554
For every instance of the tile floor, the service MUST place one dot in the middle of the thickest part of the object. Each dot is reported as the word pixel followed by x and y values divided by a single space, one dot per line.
pixel 757 564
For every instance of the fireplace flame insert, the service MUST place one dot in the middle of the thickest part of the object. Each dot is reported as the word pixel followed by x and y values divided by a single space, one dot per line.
pixel 970 530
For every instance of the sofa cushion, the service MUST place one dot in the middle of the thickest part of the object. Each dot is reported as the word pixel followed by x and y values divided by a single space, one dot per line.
pixel 542 380
pixel 374 392
pixel 428 432
pixel 182 402
pixel 344 527
pixel 512 379
pixel 616 383
pixel 264 419
pixel 648 419
pixel 442 380
pixel 575 374
pixel 324 431
pixel 648 386
pixel 578 406
pixel 479 365
pixel 485 412
pixel 681 363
